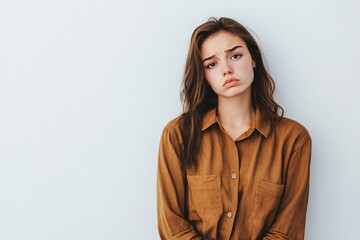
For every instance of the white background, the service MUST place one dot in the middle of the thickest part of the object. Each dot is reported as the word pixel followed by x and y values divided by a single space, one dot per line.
pixel 86 87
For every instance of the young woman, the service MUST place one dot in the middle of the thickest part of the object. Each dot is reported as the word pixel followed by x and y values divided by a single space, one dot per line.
pixel 231 166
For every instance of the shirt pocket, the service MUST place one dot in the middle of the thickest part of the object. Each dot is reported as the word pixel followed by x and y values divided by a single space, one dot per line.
pixel 204 199
pixel 267 200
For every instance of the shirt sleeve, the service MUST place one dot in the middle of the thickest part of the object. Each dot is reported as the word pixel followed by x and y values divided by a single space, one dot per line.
pixel 171 186
pixel 290 220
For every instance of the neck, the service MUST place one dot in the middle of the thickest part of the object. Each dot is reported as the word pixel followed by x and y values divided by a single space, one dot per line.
pixel 235 110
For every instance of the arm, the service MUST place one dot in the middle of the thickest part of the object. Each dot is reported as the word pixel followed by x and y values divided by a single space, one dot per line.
pixel 171 186
pixel 291 216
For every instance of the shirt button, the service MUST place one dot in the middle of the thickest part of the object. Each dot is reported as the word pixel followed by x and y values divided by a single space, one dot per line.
pixel 233 175
pixel 229 214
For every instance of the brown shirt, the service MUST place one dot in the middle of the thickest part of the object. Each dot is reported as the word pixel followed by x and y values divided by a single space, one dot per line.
pixel 254 188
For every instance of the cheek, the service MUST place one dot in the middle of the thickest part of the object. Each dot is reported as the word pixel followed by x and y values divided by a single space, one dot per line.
pixel 209 76
pixel 246 67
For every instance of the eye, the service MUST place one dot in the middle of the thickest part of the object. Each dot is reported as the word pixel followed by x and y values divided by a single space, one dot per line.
pixel 235 56
pixel 210 65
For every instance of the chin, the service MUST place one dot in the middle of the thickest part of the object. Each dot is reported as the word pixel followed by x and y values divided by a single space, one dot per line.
pixel 238 92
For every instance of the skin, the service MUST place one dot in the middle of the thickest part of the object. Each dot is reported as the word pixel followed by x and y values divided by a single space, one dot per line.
pixel 229 69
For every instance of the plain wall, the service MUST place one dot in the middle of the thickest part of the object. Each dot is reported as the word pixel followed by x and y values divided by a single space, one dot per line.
pixel 87 86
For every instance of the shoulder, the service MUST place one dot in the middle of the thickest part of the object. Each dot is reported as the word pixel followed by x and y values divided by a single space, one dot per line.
pixel 171 130
pixel 292 131
pixel 173 126
pixel 288 125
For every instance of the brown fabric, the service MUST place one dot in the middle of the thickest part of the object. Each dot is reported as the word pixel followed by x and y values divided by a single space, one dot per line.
pixel 254 188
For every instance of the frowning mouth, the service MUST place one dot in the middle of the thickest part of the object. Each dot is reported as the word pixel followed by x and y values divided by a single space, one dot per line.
pixel 230 81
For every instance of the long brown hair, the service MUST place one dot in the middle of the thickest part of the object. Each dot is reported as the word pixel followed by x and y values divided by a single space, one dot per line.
pixel 198 97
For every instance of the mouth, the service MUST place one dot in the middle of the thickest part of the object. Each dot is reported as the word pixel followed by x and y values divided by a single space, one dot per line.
pixel 230 81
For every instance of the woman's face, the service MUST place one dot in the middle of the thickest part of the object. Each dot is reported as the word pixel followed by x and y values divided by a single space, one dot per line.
pixel 228 66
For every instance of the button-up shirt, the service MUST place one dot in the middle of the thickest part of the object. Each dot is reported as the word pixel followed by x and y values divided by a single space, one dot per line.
pixel 255 187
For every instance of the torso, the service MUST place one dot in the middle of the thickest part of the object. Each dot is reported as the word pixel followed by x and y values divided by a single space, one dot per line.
pixel 233 166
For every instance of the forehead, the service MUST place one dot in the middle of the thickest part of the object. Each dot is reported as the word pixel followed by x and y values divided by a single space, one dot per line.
pixel 220 42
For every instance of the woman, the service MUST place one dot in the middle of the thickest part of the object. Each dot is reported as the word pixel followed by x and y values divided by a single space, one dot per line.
pixel 231 166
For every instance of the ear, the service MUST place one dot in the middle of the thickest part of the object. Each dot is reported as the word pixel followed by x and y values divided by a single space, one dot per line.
pixel 253 63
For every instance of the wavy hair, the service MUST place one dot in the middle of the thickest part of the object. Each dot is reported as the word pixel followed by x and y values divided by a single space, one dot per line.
pixel 198 97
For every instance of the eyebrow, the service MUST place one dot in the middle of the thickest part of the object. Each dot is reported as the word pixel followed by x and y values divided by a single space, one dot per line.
pixel 229 50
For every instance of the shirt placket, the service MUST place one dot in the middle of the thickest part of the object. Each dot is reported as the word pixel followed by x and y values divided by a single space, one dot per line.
pixel 233 179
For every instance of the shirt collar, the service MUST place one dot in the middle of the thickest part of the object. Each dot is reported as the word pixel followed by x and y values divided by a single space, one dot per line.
pixel 263 126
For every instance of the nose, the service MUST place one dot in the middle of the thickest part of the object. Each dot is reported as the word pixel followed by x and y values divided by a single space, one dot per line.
pixel 227 69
